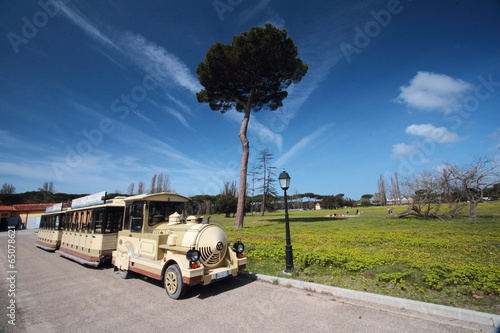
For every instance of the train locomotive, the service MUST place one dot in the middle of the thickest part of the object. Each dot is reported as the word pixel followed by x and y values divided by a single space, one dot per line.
pixel 154 237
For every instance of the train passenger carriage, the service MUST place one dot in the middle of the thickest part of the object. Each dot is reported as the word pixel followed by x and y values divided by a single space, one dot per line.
pixel 50 230
pixel 90 229
pixel 160 241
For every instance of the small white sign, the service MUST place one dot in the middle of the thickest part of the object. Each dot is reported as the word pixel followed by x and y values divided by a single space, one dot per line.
pixel 89 200
pixel 54 208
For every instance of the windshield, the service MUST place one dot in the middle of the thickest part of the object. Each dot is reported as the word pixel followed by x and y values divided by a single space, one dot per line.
pixel 159 211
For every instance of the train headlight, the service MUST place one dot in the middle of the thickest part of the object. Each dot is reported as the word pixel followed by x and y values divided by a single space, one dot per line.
pixel 238 247
pixel 193 255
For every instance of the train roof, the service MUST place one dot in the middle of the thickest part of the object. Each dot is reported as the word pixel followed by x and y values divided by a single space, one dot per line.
pixel 163 196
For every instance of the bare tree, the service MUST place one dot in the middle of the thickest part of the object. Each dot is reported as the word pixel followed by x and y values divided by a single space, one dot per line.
pixel 130 189
pixel 474 178
pixel 140 187
pixel 381 191
pixel 296 199
pixel 166 187
pixel 206 207
pixel 453 185
pixel 47 187
pixel 46 191
pixel 422 191
pixel 397 190
pixel 7 189
pixel 153 184
pixel 267 178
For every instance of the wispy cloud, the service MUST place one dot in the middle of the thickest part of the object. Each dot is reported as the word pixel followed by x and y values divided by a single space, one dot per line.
pixel 164 67
pixel 146 55
pixel 179 116
pixel 84 23
pixel 7 140
pixel 301 145
pixel 162 64
pixel 496 136
pixel 431 133
pixel 429 91
pixel 180 104
pixel 263 9
pixel 262 132
pixel 403 149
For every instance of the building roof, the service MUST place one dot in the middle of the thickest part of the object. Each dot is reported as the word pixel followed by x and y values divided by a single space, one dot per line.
pixel 26 207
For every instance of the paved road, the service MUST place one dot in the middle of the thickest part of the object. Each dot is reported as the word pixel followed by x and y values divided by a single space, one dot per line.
pixel 53 294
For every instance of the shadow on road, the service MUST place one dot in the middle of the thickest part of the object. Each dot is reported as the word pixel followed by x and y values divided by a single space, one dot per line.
pixel 219 287
pixel 199 291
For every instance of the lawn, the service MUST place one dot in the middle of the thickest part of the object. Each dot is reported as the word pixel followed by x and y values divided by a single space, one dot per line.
pixel 450 262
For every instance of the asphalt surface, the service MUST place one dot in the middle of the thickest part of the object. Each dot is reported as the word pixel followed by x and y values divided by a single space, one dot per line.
pixel 53 294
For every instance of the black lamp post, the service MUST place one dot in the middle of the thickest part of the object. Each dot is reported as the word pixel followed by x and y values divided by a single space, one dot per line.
pixel 284 179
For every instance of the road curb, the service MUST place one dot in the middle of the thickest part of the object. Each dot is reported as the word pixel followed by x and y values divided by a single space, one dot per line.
pixel 401 303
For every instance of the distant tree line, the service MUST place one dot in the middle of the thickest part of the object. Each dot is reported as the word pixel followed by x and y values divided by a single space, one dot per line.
pixel 45 194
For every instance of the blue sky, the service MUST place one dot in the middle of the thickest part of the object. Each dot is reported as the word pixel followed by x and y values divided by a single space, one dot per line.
pixel 95 95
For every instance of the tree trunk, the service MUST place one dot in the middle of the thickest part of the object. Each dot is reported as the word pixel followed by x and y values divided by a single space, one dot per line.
pixel 240 211
pixel 264 194
pixel 473 204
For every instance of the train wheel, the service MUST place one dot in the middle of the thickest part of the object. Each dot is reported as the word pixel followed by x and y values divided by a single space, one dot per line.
pixel 173 282
pixel 124 273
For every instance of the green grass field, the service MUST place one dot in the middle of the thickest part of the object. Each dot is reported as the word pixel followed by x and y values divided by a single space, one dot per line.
pixel 450 262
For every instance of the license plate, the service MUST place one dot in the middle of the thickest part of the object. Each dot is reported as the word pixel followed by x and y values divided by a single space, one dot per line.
pixel 221 275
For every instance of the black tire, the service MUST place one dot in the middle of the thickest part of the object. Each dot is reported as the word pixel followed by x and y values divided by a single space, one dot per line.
pixel 172 281
pixel 124 273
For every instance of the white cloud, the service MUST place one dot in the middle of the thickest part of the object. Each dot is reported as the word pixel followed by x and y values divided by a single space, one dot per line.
pixel 402 149
pixel 301 145
pixel 164 67
pixel 264 133
pixel 83 23
pixel 161 63
pixel 179 117
pixel 429 91
pixel 495 136
pixel 7 140
pixel 431 133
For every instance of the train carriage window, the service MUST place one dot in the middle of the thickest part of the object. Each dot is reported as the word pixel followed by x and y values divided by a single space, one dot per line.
pixel 57 222
pixel 108 221
pixel 126 221
pixel 67 222
pixel 84 221
pixel 90 225
pixel 79 221
pixel 98 220
pixel 118 220
pixel 75 222
pixel 61 221
pixel 114 218
pixel 134 216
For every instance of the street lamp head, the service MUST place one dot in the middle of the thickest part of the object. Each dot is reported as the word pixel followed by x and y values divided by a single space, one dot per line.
pixel 284 179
